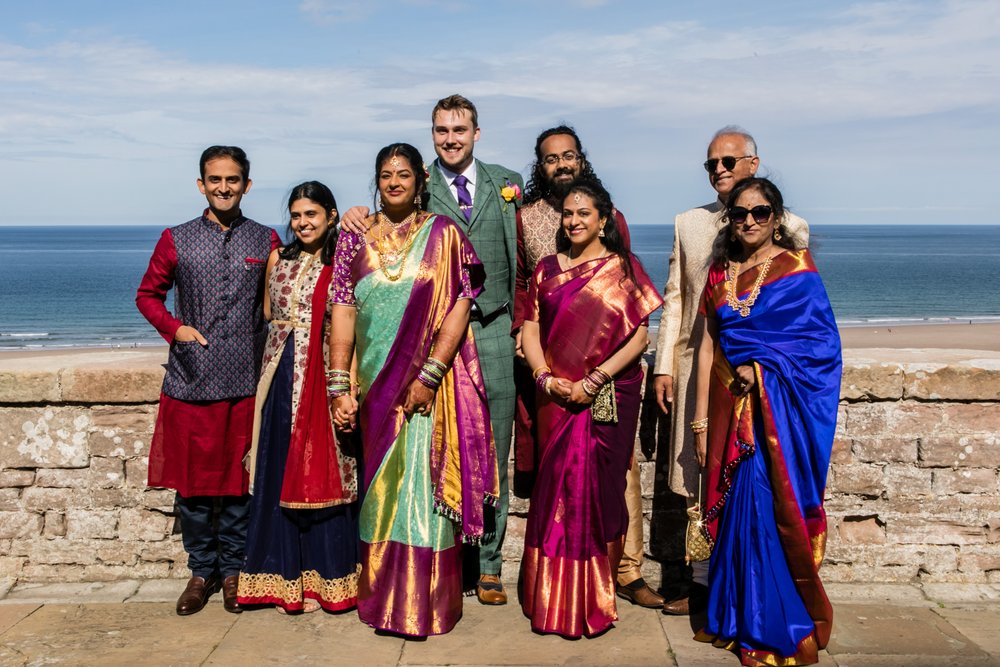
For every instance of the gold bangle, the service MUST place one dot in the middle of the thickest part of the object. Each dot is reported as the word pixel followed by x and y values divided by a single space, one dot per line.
pixel 538 371
pixel 699 425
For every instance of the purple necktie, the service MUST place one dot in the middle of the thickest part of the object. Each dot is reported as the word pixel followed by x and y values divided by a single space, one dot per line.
pixel 464 198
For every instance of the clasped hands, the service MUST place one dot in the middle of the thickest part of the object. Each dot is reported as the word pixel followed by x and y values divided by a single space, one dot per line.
pixel 569 393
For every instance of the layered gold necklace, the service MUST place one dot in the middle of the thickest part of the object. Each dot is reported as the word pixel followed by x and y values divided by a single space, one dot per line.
pixel 387 254
pixel 732 292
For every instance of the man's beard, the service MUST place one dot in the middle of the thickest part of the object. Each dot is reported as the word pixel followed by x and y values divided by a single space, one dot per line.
pixel 557 190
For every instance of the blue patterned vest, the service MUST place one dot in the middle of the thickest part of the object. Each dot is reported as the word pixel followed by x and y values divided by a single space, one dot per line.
pixel 218 290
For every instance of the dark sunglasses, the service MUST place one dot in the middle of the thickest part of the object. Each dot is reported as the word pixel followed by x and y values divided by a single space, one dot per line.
pixel 760 214
pixel 728 162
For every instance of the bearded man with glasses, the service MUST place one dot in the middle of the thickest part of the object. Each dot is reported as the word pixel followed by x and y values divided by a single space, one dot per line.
pixel 559 163
pixel 732 157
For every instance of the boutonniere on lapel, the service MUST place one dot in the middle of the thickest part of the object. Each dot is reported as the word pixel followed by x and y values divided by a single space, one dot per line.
pixel 510 192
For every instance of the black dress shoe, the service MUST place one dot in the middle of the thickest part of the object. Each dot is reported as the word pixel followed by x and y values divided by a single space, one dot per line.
pixel 195 595
pixel 229 589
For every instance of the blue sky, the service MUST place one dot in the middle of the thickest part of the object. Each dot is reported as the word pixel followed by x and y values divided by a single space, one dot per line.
pixel 864 112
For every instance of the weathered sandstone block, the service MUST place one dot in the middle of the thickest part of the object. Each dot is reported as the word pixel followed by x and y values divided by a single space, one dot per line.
pixel 10 500
pixel 867 379
pixel 170 551
pixel 111 385
pixel 841 452
pixel 87 524
pixel 973 380
pixel 857 478
pixel 976 450
pixel 885 449
pixel 41 499
pixel 948 481
pixel 902 480
pixel 143 525
pixel 19 525
pixel 861 530
pixel 41 551
pixel 29 387
pixel 106 473
pixel 931 531
pixel 16 478
pixel 55 525
pixel 50 437
pixel 62 478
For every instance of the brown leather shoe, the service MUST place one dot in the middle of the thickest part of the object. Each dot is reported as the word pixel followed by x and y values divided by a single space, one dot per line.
pixel 678 607
pixel 490 591
pixel 695 602
pixel 195 595
pixel 638 592
pixel 229 587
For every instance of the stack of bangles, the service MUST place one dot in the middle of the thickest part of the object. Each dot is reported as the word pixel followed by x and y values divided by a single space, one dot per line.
pixel 699 425
pixel 432 373
pixel 542 376
pixel 338 383
pixel 594 380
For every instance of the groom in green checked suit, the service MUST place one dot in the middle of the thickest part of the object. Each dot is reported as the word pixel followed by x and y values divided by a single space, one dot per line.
pixel 481 199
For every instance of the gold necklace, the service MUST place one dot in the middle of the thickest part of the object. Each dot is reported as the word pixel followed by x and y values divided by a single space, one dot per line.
pixel 388 256
pixel 743 307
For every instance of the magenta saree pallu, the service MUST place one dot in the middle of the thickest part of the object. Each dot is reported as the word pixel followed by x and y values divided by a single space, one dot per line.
pixel 426 478
pixel 577 516
pixel 768 455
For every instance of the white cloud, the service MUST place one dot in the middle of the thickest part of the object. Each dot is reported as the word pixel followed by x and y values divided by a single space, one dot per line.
pixel 114 103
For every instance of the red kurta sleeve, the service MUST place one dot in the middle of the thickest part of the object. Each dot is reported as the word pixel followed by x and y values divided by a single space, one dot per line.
pixel 151 296
pixel 275 240
pixel 521 277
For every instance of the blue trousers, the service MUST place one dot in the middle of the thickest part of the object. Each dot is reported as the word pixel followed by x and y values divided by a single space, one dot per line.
pixel 214 532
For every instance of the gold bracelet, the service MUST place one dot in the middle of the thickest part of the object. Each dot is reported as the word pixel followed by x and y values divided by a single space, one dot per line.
pixel 699 425
pixel 538 371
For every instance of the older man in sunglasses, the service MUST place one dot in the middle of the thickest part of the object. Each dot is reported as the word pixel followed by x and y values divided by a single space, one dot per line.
pixel 732 156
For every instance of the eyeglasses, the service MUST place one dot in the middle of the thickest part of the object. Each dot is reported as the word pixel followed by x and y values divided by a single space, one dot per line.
pixel 728 162
pixel 569 157
pixel 738 214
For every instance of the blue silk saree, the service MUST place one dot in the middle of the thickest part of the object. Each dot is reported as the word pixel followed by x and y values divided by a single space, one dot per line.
pixel 768 455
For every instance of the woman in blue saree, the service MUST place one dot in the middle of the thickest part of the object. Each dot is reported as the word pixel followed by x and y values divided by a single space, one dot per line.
pixel 769 370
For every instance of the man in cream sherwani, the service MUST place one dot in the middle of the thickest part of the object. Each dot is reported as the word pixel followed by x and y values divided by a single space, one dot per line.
pixel 732 156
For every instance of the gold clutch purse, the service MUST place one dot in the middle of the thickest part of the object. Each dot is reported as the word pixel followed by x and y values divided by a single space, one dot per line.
pixel 697 546
pixel 604 409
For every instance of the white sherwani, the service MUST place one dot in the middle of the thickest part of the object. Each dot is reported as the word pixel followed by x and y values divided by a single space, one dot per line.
pixel 681 326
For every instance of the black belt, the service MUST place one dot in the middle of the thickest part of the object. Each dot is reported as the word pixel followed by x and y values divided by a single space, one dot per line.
pixel 477 315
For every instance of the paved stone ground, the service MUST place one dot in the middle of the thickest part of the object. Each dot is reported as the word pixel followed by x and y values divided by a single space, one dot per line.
pixel 133 623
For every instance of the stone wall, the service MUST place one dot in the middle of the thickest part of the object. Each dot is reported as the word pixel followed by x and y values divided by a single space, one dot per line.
pixel 914 490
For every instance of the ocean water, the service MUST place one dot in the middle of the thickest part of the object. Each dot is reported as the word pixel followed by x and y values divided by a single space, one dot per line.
pixel 75 286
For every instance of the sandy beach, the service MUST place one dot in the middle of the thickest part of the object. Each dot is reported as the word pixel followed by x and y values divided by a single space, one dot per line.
pixel 980 336
pixel 964 336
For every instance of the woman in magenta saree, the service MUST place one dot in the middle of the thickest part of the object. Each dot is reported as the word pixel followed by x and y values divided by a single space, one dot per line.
pixel 403 293
pixel 585 330
pixel 769 372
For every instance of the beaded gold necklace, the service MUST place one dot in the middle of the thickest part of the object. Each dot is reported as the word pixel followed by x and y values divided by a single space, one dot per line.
pixel 732 293
pixel 389 256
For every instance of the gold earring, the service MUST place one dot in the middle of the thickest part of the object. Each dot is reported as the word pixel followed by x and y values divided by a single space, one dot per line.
pixel 600 234
pixel 777 234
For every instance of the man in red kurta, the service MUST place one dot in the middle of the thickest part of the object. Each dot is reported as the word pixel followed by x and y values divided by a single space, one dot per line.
pixel 215 265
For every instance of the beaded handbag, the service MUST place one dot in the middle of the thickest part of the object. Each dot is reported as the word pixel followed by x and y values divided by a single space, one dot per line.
pixel 697 546
pixel 604 409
